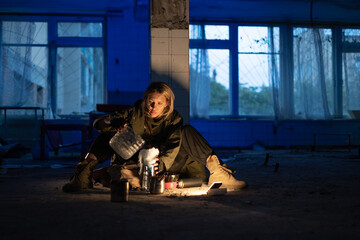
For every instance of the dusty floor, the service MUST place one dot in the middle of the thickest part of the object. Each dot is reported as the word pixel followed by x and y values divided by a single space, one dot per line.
pixel 312 195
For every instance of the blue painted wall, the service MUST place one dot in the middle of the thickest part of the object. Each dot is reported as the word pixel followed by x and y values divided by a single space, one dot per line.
pixel 285 134
pixel 128 66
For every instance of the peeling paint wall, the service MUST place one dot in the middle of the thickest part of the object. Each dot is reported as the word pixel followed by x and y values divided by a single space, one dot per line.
pixel 172 14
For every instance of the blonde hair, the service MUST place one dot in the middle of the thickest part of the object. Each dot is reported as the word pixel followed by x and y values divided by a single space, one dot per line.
pixel 165 90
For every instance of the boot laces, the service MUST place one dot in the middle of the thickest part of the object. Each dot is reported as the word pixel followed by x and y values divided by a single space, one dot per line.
pixel 226 169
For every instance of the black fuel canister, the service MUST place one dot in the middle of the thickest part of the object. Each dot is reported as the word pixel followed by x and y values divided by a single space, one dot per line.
pixel 189 182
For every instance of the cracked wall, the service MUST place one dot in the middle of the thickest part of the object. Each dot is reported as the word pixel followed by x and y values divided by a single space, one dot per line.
pixel 172 14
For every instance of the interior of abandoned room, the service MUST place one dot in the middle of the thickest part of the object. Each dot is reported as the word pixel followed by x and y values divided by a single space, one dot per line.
pixel 272 85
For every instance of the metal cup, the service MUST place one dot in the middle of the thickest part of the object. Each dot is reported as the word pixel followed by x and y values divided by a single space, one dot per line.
pixel 157 185
pixel 120 190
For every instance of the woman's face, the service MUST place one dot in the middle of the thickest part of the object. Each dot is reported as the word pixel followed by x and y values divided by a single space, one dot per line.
pixel 156 104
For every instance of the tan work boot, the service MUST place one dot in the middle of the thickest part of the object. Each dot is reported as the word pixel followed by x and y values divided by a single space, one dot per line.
pixel 129 172
pixel 132 176
pixel 82 177
pixel 220 173
pixel 101 175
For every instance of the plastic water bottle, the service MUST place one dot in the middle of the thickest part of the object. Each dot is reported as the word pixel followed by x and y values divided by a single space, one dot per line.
pixel 126 142
pixel 146 179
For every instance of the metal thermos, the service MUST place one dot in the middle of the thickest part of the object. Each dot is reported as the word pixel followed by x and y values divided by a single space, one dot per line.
pixel 120 190
pixel 189 182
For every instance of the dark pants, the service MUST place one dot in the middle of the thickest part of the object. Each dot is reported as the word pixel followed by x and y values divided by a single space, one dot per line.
pixel 193 145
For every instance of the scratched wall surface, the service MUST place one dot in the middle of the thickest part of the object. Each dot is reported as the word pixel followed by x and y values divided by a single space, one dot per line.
pixel 172 14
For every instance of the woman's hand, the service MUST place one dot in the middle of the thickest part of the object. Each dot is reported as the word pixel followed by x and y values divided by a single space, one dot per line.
pixel 118 123
pixel 103 124
pixel 121 128
pixel 156 166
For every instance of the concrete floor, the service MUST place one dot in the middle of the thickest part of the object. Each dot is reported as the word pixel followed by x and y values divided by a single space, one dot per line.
pixel 312 195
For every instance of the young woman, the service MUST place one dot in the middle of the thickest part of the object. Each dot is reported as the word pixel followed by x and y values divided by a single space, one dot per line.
pixel 156 121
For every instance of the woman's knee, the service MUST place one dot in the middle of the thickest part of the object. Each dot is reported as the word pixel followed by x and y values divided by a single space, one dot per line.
pixel 100 148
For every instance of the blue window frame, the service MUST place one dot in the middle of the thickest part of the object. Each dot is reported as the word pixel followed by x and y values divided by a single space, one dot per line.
pixel 273 71
pixel 52 62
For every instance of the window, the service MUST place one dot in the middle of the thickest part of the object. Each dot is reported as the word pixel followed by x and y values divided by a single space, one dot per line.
pixel 281 72
pixel 216 32
pixel 258 59
pixel 24 64
pixel 209 72
pixel 351 69
pixel 80 67
pixel 83 29
pixel 73 47
pixel 232 76
pixel 313 73
pixel 209 32
pixel 79 73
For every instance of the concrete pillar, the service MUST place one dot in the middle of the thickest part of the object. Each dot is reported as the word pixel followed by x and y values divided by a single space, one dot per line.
pixel 169 61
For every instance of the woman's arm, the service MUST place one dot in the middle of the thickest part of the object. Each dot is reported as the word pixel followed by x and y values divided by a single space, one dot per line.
pixel 170 147
pixel 111 122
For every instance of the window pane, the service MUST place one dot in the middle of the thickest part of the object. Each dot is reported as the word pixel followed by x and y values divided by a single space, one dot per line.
pixel 351 71
pixel 211 32
pixel 216 32
pixel 313 75
pixel 219 84
pixel 24 32
pixel 195 32
pixel 258 69
pixel 254 90
pixel 24 72
pixel 258 39
pixel 351 35
pixel 209 82
pixel 73 29
pixel 351 76
pixel 80 79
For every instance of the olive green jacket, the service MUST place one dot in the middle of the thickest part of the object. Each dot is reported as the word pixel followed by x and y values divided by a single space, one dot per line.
pixel 163 133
